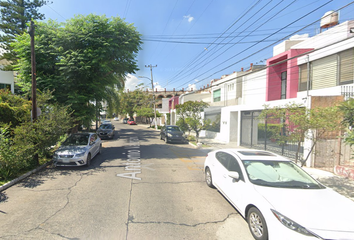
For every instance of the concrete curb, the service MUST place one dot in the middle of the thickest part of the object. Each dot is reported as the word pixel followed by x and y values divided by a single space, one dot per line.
pixel 13 182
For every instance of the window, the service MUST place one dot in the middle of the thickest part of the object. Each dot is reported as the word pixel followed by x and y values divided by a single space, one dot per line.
pixel 283 85
pixel 5 86
pixel 324 72
pixel 346 66
pixel 229 162
pixel 303 78
pixel 230 87
pixel 217 95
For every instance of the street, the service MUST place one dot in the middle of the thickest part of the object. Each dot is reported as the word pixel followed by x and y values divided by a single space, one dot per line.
pixel 138 188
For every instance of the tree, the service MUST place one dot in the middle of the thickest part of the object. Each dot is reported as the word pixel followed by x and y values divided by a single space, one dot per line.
pixel 80 60
pixel 133 101
pixel 15 14
pixel 21 139
pixel 294 123
pixel 190 114
pixel 347 109
pixel 147 112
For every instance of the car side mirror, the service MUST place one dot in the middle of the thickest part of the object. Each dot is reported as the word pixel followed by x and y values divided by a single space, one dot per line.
pixel 235 176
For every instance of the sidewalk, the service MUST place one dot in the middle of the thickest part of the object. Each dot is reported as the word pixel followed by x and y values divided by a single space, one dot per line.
pixel 340 184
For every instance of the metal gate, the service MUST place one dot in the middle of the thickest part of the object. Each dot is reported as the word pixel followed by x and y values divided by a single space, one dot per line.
pixel 254 134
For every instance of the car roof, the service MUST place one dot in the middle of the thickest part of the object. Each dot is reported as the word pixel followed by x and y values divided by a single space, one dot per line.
pixel 254 154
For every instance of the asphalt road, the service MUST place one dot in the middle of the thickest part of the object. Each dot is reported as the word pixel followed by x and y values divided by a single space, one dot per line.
pixel 138 188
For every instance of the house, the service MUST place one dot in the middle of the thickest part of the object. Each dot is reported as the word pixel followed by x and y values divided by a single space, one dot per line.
pixel 6 78
pixel 304 71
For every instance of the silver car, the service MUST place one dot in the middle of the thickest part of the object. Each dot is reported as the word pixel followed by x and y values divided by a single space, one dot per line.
pixel 78 150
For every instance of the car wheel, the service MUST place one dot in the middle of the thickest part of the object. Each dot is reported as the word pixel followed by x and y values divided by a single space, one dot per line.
pixel 257 224
pixel 88 160
pixel 208 178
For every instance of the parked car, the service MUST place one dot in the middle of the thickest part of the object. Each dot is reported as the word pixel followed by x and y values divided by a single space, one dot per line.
pixel 278 199
pixel 131 122
pixel 78 150
pixel 171 133
pixel 125 120
pixel 106 131
pixel 116 119
pixel 106 122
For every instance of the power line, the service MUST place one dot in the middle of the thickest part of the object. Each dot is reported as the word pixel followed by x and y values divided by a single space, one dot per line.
pixel 201 53
pixel 203 62
pixel 265 39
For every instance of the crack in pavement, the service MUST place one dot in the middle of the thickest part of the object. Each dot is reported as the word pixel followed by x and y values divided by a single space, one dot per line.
pixel 46 220
pixel 131 220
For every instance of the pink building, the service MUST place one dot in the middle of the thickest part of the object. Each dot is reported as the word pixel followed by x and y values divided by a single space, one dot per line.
pixel 283 75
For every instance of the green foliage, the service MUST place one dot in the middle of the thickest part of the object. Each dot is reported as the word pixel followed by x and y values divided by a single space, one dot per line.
pixel 168 120
pixel 11 161
pixel 181 123
pixel 13 109
pixel 83 61
pixel 293 123
pixel 15 14
pixel 21 142
pixel 191 138
pixel 190 114
pixel 347 109
pixel 138 102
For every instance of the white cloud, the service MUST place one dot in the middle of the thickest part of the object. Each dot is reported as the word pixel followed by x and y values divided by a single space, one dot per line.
pixel 189 18
pixel 131 82
pixel 158 87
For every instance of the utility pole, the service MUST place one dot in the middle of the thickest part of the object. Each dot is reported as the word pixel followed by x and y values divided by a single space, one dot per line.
pixel 34 83
pixel 153 92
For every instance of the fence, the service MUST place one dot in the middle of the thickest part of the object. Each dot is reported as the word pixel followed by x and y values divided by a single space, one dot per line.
pixel 255 134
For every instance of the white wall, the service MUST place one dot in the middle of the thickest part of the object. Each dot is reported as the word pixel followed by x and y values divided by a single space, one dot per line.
pixel 254 88
pixel 7 77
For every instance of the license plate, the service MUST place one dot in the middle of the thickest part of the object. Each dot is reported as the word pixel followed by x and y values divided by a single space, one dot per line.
pixel 66 160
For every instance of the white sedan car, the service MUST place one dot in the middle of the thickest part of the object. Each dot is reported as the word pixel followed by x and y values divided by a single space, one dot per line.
pixel 78 150
pixel 278 199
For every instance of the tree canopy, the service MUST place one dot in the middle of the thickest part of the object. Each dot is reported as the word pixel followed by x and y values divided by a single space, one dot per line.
pixel 191 118
pixel 15 14
pixel 80 60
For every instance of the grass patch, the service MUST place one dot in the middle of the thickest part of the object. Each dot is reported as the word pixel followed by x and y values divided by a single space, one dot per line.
pixel 195 144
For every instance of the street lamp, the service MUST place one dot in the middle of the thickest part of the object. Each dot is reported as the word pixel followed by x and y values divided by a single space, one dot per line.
pixel 153 98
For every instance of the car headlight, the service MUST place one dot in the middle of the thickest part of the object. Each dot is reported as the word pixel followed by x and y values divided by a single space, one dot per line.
pixel 169 135
pixel 287 222
pixel 79 154
pixel 55 155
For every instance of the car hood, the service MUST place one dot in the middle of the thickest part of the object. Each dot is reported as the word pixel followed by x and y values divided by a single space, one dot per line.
pixel 104 130
pixel 71 149
pixel 319 210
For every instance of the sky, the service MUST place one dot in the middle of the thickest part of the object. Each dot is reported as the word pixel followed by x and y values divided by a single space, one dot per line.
pixel 191 42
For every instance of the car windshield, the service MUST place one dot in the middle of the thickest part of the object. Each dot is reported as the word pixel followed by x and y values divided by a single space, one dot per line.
pixel 282 174
pixel 106 126
pixel 173 128
pixel 76 140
